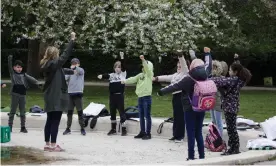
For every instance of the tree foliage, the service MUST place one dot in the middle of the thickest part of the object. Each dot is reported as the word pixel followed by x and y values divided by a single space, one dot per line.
pixel 143 25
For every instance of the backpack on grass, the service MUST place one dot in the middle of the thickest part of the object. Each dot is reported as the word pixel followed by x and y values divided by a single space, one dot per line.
pixel 132 112
pixel 214 141
pixel 204 96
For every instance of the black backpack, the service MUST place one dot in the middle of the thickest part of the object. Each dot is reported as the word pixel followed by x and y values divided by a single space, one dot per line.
pixel 94 120
pixel 132 112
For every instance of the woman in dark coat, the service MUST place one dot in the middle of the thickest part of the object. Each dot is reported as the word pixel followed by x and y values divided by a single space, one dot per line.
pixel 55 91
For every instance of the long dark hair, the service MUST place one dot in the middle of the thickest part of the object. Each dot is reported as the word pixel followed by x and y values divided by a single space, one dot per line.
pixel 243 73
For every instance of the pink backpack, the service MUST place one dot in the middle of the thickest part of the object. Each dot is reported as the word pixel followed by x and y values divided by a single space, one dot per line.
pixel 204 96
pixel 213 140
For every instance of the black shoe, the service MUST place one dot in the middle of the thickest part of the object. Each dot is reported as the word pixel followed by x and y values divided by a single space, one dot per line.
pixel 172 139
pixel 111 132
pixel 146 137
pixel 140 135
pixel 23 130
pixel 124 131
pixel 229 152
pixel 83 132
pixel 67 131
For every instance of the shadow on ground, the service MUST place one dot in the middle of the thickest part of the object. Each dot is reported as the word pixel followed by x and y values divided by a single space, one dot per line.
pixel 19 155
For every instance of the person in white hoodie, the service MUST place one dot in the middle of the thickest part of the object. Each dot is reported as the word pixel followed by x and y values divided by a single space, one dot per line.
pixel 178 112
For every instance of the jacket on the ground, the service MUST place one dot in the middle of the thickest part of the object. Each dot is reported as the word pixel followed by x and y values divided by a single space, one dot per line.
pixel 55 88
pixel 176 77
pixel 143 80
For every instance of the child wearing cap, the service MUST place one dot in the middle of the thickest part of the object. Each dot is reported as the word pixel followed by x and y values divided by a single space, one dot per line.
pixel 75 90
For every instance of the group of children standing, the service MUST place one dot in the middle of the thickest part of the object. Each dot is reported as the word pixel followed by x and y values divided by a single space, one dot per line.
pixel 61 82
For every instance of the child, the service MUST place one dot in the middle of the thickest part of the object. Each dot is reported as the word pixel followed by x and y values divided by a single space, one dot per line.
pixel 75 91
pixel 178 112
pixel 143 91
pixel 239 76
pixel 193 120
pixel 19 84
pixel 55 91
pixel 116 96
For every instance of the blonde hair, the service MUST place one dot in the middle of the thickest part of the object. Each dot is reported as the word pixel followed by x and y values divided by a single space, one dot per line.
pixel 117 64
pixel 195 63
pixel 50 54
pixel 224 67
pixel 217 68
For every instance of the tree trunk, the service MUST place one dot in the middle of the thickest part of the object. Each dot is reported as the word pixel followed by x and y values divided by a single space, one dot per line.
pixel 37 50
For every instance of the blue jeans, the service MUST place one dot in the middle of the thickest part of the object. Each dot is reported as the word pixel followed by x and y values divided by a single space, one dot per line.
pixel 194 122
pixel 144 105
pixel 217 120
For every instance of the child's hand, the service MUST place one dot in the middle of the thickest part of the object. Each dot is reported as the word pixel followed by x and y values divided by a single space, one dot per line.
pixel 100 77
pixel 142 57
pixel 236 56
pixel 3 85
pixel 73 35
pixel 123 82
pixel 122 55
pixel 207 49
pixel 73 66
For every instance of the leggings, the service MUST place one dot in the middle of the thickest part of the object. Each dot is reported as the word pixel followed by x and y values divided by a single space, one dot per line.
pixel 51 126
pixel 233 141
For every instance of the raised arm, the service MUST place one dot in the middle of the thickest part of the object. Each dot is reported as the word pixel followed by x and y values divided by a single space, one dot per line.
pixel 68 51
pixel 237 59
pixel 183 64
pixel 10 64
pixel 208 63
pixel 123 62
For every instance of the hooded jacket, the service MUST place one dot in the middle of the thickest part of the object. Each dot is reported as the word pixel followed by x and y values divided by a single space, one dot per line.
pixel 199 73
pixel 143 80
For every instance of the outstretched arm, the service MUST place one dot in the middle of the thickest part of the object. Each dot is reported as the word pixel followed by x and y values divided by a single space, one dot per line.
pixel 68 71
pixel 181 85
pixel 164 78
pixel 31 79
pixel 132 80
pixel 223 81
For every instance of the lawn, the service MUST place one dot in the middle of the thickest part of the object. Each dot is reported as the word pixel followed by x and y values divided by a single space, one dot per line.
pixel 256 105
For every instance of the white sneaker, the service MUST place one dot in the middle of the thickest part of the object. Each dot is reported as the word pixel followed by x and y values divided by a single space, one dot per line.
pixel 178 140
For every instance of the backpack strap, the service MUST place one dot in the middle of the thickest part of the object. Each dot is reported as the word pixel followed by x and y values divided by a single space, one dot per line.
pixel 191 77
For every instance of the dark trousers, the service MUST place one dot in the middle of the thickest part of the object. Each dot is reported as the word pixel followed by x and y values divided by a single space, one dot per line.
pixel 194 122
pixel 233 141
pixel 144 105
pixel 17 101
pixel 75 101
pixel 117 102
pixel 51 126
pixel 178 117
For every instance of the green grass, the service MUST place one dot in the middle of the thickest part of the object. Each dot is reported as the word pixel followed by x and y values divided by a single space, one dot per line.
pixel 256 105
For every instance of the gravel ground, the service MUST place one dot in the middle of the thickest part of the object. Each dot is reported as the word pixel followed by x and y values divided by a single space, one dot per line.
pixel 97 148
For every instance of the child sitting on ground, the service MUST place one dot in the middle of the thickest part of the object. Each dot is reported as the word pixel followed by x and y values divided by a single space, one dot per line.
pixel 19 84
pixel 116 95
pixel 143 90
pixel 75 91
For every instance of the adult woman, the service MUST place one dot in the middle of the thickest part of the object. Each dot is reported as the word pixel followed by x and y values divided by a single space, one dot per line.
pixel 55 91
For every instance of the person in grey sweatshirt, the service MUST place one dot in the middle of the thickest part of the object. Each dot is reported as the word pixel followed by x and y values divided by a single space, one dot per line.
pixel 19 84
pixel 75 91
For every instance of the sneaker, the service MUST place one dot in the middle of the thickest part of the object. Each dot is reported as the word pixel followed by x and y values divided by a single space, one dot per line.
pixel 140 135
pixel 57 148
pixel 178 140
pixel 23 130
pixel 124 131
pixel 47 148
pixel 83 132
pixel 172 139
pixel 67 131
pixel 146 137
pixel 112 132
